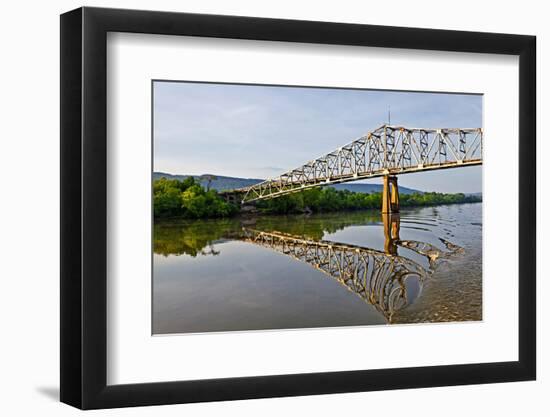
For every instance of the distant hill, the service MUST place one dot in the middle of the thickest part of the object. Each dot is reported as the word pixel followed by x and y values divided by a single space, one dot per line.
pixel 222 183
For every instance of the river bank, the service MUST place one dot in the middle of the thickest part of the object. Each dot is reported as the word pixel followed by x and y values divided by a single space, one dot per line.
pixel 187 199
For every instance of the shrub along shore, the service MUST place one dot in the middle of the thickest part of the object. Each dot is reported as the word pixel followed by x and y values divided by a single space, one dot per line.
pixel 188 199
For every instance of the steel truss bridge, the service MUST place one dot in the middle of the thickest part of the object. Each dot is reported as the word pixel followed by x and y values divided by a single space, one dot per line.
pixel 385 152
pixel 382 279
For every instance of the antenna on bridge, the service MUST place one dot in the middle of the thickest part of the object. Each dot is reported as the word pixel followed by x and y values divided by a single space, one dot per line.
pixel 389 115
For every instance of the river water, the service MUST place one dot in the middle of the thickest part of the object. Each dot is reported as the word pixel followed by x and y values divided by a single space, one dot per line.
pixel 322 270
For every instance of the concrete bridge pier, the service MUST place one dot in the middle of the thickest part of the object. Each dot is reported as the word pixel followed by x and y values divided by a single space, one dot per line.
pixel 390 195
pixel 232 197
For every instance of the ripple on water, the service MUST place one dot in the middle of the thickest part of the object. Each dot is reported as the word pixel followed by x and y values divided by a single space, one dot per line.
pixel 453 291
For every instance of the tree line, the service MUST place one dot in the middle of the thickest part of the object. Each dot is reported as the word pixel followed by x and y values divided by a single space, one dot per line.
pixel 329 199
pixel 188 199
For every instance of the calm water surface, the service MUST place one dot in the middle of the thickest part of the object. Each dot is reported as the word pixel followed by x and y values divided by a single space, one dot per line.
pixel 322 270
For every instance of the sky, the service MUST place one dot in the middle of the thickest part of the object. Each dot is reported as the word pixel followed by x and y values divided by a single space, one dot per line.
pixel 255 131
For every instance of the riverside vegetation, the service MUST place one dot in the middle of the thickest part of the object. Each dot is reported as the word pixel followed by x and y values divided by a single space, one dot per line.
pixel 188 199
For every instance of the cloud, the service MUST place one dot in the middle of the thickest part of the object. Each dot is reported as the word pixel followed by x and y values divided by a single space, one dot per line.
pixel 242 111
pixel 277 169
pixel 261 131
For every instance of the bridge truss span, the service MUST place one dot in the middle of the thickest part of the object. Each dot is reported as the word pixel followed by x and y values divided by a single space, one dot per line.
pixel 387 150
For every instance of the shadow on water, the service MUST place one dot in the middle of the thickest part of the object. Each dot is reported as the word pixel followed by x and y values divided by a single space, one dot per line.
pixel 382 278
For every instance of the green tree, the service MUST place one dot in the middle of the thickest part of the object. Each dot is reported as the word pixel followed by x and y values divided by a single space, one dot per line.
pixel 187 198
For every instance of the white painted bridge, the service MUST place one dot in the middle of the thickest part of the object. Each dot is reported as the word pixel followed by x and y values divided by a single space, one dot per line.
pixel 387 151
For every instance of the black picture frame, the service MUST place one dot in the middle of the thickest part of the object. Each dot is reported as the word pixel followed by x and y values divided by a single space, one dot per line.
pixel 84 207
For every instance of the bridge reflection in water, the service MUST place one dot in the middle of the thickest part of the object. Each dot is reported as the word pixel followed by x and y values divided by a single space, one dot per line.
pixel 384 279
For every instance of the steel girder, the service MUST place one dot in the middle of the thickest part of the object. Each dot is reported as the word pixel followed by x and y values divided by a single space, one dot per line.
pixel 387 150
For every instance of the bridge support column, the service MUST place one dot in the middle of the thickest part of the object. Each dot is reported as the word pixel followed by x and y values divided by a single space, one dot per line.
pixel 232 197
pixel 390 195
pixel 391 224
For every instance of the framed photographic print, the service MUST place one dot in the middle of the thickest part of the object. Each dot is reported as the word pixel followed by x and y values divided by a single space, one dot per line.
pixel 257 207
